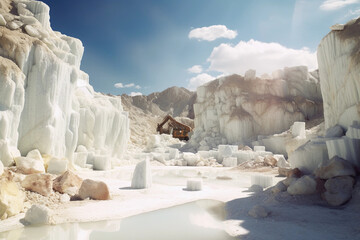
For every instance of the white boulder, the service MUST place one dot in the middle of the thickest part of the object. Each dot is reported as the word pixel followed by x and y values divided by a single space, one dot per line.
pixel 335 167
pixel 191 158
pixel 338 190
pixel 302 186
pixel 35 154
pixel 37 214
pixel 142 175
pixel 27 165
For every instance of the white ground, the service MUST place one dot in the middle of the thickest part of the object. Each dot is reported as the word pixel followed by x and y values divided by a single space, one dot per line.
pixel 291 217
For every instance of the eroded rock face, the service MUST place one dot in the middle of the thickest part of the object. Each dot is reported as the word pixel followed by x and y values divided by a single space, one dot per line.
pixel 94 190
pixel 40 183
pixel 338 190
pixel 58 109
pixel 66 181
pixel 235 110
pixel 11 199
pixel 339 68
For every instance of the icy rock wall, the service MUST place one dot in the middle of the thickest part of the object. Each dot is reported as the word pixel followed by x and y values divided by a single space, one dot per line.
pixel 339 68
pixel 46 101
pixel 237 109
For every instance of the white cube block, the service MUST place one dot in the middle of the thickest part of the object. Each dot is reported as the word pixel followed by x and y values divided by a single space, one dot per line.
pixel 194 184
pixel 262 180
pixel 298 129
pixel 57 166
pixel 230 162
pixel 102 163
pixel 80 158
pixel 259 148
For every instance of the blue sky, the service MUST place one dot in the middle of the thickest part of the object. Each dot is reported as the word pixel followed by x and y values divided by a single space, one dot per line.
pixel 142 46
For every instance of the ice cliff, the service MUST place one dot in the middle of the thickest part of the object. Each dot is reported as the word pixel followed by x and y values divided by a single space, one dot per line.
pixel 46 101
pixel 236 109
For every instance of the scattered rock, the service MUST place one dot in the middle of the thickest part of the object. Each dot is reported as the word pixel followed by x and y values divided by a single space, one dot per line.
pixel 288 181
pixel 65 181
pixel 259 211
pixel 290 172
pixel 57 166
pixel 37 214
pixel 96 190
pixel 27 165
pixel 256 188
pixel 11 199
pixel 41 183
pixel 335 167
pixel 142 175
pixel 338 190
pixel 279 187
pixel 302 186
pixel 270 161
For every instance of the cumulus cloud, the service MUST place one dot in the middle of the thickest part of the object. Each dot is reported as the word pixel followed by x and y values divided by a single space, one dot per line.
pixel 195 69
pixel 199 80
pixel 212 33
pixel 261 56
pixel 132 94
pixel 329 5
pixel 130 85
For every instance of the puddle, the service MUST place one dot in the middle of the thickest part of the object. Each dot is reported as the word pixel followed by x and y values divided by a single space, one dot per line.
pixel 200 220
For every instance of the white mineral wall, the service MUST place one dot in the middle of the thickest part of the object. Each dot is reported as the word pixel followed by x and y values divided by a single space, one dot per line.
pixel 339 67
pixel 46 101
pixel 235 109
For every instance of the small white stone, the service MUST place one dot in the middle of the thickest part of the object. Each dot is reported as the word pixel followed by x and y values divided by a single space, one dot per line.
pixel 37 214
pixel 64 198
pixel 194 184
pixel 142 175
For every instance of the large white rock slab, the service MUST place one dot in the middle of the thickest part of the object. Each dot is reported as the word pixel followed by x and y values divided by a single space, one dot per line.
pixel 142 177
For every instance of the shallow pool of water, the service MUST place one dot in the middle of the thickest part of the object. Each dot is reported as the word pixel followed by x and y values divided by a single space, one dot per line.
pixel 200 220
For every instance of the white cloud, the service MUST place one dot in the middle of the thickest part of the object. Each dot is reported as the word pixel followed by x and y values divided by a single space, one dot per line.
pixel 199 80
pixel 329 5
pixel 263 57
pixel 355 12
pixel 195 69
pixel 212 33
pixel 132 94
pixel 130 85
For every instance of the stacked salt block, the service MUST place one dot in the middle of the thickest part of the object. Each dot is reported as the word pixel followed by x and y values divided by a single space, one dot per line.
pixel 142 175
pixel 262 180
pixel 194 184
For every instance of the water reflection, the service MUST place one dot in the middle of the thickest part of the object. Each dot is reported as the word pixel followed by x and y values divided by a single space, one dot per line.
pixel 198 220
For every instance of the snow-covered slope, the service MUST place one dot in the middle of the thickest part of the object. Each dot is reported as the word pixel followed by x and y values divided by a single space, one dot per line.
pixel 237 109
pixel 339 67
pixel 46 101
